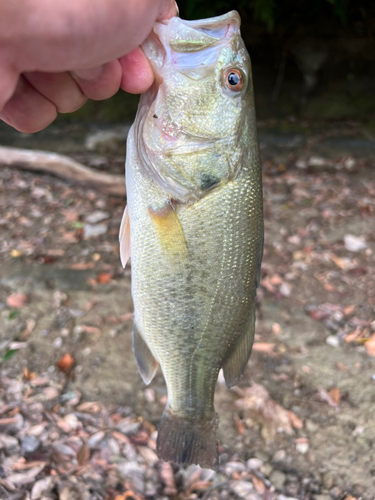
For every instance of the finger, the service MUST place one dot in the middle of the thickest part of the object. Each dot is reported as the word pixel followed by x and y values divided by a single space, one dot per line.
pixel 137 74
pixel 99 83
pixel 59 88
pixel 168 9
pixel 27 110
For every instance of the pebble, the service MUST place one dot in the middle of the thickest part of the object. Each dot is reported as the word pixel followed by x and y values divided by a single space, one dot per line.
pixel 90 231
pixel 333 341
pixel 72 421
pixel 97 216
pixel 29 444
pixel 278 479
pixel 57 343
pixel 283 497
pixel 302 447
pixel 132 472
pixel 254 463
pixel 95 439
pixel 266 469
pixel 10 443
pixel 231 467
pixel 261 455
pixel 41 486
pixel 279 456
pixel 311 426
pixel 244 489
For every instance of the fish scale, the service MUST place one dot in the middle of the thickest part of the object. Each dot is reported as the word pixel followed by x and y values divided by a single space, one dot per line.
pixel 195 224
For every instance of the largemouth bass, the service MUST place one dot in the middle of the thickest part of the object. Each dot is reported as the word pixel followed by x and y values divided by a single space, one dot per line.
pixel 193 225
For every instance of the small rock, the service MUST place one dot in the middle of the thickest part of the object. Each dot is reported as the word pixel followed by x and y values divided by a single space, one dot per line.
pixel 41 487
pixel 354 243
pixel 254 463
pixel 72 421
pixel 261 455
pixel 132 472
pixel 231 467
pixel 128 426
pixel 244 489
pixel 113 446
pixel 333 341
pixel 283 497
pixel 17 300
pixel 277 479
pixel 29 444
pixel 279 456
pixel 95 439
pixel 311 426
pixel 266 469
pixel 302 447
pixel 97 216
pixel 322 497
pixel 57 343
pixel 91 231
pixel 107 140
pixel 285 289
pixel 10 443
pixel 328 480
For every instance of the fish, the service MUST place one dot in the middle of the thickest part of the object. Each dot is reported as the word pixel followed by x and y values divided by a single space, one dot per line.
pixel 193 225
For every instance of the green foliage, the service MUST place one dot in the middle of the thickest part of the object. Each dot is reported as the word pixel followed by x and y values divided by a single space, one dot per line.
pixel 8 355
pixel 13 314
pixel 264 10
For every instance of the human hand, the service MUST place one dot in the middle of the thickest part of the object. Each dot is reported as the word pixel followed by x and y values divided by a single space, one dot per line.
pixel 56 54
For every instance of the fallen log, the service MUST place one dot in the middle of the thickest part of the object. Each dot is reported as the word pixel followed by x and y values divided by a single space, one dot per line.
pixel 62 166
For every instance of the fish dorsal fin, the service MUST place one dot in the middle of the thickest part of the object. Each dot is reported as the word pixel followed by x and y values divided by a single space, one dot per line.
pixel 146 362
pixel 124 238
pixel 235 365
pixel 170 233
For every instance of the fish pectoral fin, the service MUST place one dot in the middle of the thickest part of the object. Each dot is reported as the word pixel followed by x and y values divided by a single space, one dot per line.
pixel 124 237
pixel 235 365
pixel 170 233
pixel 146 362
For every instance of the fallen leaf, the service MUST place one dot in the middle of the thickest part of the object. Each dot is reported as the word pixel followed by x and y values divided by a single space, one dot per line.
pixel 65 363
pixel 258 405
pixel 239 424
pixel 342 367
pixel 103 278
pixel 167 476
pixel 335 395
pixel 295 421
pixel 83 454
pixel 17 300
pixel 259 486
pixel 276 328
pixel 327 397
pixel 264 347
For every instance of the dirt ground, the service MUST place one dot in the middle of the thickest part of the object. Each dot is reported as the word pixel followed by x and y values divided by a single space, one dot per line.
pixel 304 411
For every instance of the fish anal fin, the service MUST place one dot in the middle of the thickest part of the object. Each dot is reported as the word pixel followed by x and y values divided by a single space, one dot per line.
pixel 235 365
pixel 124 238
pixel 146 362
pixel 188 441
pixel 169 230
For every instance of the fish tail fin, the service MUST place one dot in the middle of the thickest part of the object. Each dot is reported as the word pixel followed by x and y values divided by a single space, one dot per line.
pixel 188 441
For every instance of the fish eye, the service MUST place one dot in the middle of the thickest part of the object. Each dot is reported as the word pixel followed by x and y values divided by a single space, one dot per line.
pixel 234 79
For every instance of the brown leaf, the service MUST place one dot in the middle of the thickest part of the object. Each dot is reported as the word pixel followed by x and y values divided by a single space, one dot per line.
pixel 264 347
pixel 239 424
pixel 89 407
pixel 167 476
pixel 335 395
pixel 83 454
pixel 65 364
pixel 258 405
pixel 342 367
pixel 294 420
pixel 259 486
pixel 17 300
pixel 103 278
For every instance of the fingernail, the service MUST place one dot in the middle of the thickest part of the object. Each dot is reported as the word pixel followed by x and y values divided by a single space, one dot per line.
pixel 88 74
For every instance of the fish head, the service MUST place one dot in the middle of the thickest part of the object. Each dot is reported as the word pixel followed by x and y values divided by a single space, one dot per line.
pixel 196 120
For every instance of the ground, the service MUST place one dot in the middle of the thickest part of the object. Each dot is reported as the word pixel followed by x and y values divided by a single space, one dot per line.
pixel 300 424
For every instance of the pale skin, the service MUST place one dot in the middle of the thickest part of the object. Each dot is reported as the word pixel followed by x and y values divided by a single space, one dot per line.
pixel 57 54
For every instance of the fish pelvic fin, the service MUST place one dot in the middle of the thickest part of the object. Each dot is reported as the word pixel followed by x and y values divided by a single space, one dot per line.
pixel 124 238
pixel 146 362
pixel 188 441
pixel 235 365
pixel 169 230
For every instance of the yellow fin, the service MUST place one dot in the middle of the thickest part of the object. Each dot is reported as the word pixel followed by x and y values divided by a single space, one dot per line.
pixel 124 237
pixel 170 232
